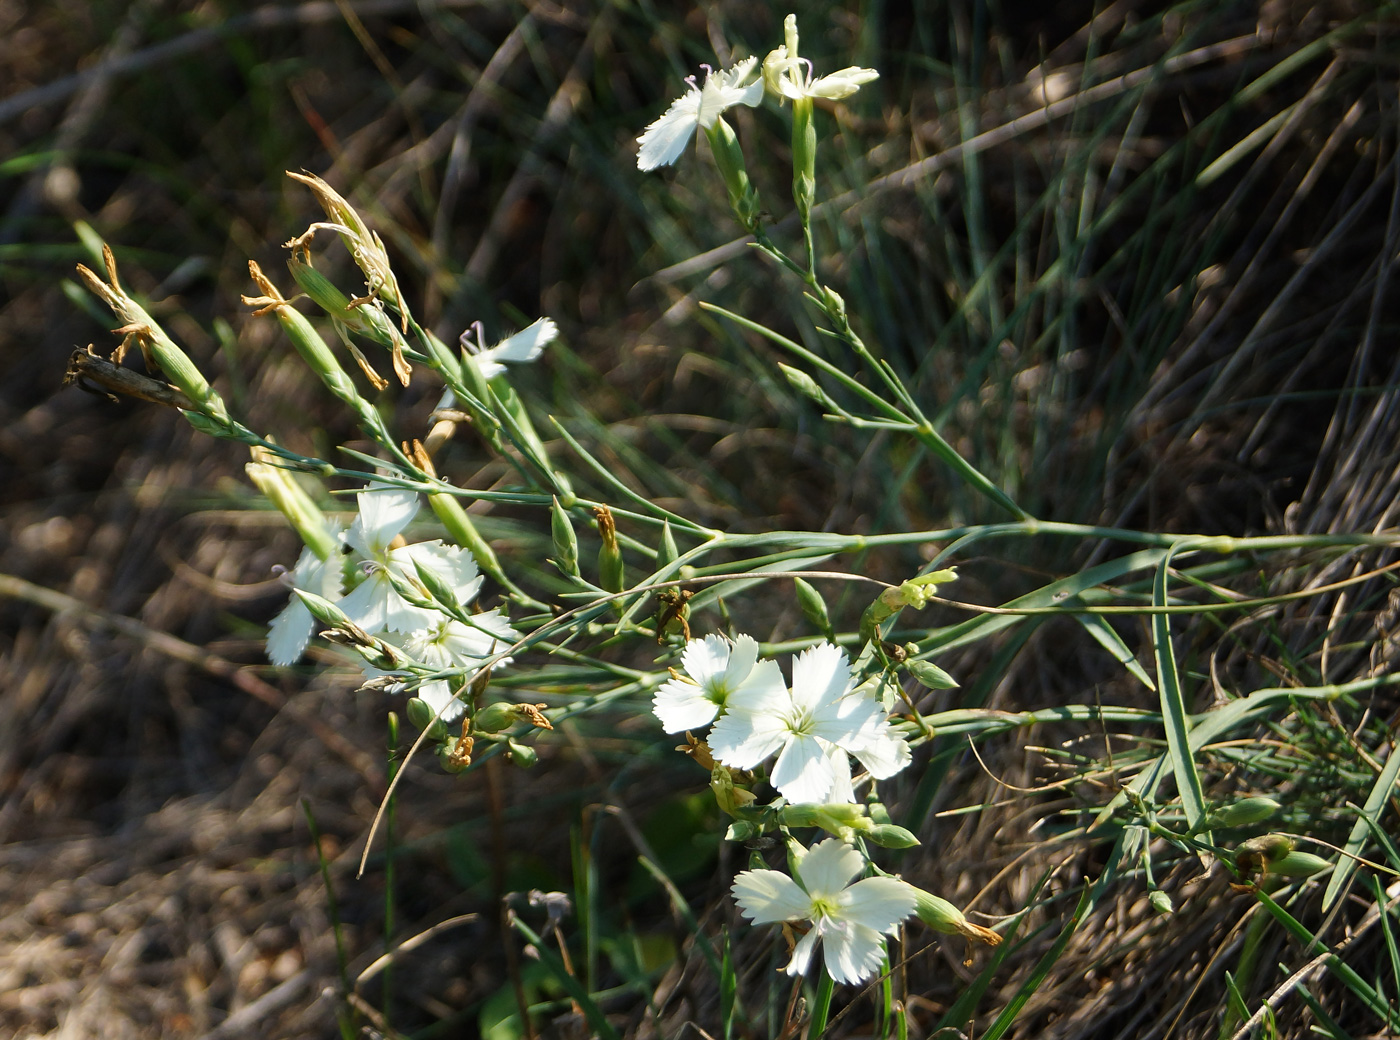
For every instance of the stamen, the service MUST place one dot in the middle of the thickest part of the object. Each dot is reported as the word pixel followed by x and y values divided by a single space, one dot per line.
pixel 466 341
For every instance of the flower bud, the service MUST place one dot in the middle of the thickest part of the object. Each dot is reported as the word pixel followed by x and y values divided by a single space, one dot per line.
pixel 932 676
pixel 444 596
pixel 521 754
pixel 943 916
pixel 318 356
pixel 834 303
pixel 502 715
pixel 157 348
pixel 282 490
pixel 666 552
pixel 324 611
pixel 913 593
pixel 729 158
pixel 813 608
pixel 565 541
pixel 450 761
pixel 459 525
pixel 1161 902
pixel 804 158
pixel 410 589
pixel 1298 864
pixel 421 716
pixel 1243 813
pixel 1258 855
pixel 610 570
pixel 807 386
pixel 729 797
pixel 843 819
pixel 891 836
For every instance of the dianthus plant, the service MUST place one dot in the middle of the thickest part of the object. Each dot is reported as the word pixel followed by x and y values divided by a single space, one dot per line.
pixel 789 741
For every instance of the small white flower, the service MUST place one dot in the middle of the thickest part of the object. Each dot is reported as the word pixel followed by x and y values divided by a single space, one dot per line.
pixel 849 920
pixel 720 669
pixel 374 604
pixel 290 630
pixel 810 728
pixel 792 78
pixel 450 644
pixel 697 109
pixel 525 345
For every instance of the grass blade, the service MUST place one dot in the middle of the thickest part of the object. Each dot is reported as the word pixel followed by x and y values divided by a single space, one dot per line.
pixel 1188 781
pixel 1360 830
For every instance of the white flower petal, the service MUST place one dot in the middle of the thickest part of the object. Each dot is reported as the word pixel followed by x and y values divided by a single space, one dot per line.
pixel 525 345
pixel 664 140
pixel 763 693
pixel 841 84
pixel 828 867
pixel 743 740
pixel 438 696
pixel 726 89
pixel 878 902
pixel 289 633
pixel 291 629
pixel 853 953
pixel 706 659
pixel 802 954
pixel 820 676
pixel 802 773
pixel 768 896
pixel 840 765
pixel 681 706
pixel 384 513
pixel 452 563
pixel 883 756
pixel 742 658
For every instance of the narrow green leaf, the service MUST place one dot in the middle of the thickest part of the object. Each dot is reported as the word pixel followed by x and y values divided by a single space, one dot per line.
pixel 1312 946
pixel 571 985
pixel 1107 637
pixel 1360 830
pixel 1188 781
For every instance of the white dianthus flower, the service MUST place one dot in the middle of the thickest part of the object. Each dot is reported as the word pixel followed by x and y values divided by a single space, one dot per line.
pixel 697 109
pixel 719 669
pixel 810 727
pixel 849 920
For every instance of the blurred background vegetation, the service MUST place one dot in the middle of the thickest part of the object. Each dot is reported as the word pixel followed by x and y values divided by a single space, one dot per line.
pixel 1135 257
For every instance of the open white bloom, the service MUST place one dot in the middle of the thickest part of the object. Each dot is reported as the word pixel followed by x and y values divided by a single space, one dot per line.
pixel 792 78
pixel 525 345
pixel 810 727
pixel 697 109
pixel 449 644
pixel 290 630
pixel 849 920
pixel 720 669
pixel 374 604
pixel 788 75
